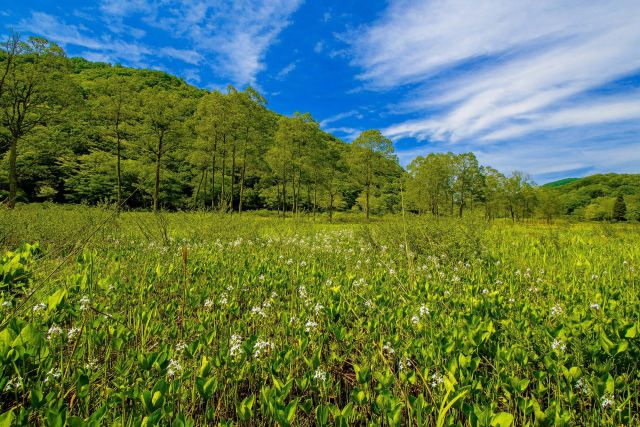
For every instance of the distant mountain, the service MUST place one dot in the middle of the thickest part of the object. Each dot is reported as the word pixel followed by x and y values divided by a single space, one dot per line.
pixel 592 197
pixel 560 182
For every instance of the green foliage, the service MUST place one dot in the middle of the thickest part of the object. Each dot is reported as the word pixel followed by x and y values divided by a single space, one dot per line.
pixel 190 318
pixel 619 209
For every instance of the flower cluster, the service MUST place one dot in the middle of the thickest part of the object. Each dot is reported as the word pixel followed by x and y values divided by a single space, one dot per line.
pixel 173 368
pixel 235 345
pixel 260 347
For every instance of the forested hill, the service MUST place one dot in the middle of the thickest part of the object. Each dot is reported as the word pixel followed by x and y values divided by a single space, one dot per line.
pixel 592 197
pixel 74 131
pixel 95 133
pixel 560 182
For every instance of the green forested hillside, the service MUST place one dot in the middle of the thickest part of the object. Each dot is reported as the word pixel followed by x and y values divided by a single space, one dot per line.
pixel 73 131
pixel 560 182
pixel 592 197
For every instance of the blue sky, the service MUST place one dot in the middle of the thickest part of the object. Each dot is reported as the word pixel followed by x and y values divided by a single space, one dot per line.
pixel 550 87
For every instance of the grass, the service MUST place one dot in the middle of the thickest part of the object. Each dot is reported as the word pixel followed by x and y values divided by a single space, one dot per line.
pixel 195 318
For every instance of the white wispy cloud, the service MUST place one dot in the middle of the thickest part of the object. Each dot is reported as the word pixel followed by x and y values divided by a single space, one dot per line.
pixel 340 116
pixel 237 33
pixel 286 70
pixel 231 37
pixel 189 56
pixel 500 69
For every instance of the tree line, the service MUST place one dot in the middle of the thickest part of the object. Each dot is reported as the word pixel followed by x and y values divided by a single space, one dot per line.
pixel 73 131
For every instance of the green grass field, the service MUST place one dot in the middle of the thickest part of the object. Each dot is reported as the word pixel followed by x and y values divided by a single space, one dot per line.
pixel 195 318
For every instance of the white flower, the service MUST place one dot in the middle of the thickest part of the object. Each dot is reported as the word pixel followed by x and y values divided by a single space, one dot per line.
pixel 261 277
pixel 259 347
pixel 387 348
pixel 392 271
pixel 302 292
pixel 84 303
pixel 6 304
pixel 512 300
pixel 359 282
pixel 54 373
pixel 14 384
pixel 38 307
pixel 173 368
pixel 607 401
pixel 320 375
pixel 424 310
pixel 223 298
pixel 582 386
pixel 368 303
pixel 235 345
pixel 436 379
pixel 208 303
pixel 53 331
pixel 310 326
pixel 303 263
pixel 181 346
pixel 91 364
pixel 558 345
pixel 415 319
pixel 289 261
pixel 556 310
pixel 595 306
pixel 71 335
pixel 404 363
pixel 318 308
pixel 258 310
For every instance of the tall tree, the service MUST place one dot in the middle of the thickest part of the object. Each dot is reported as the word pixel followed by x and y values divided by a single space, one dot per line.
pixel 163 112
pixel 619 209
pixel 114 107
pixel 467 179
pixel 370 151
pixel 35 90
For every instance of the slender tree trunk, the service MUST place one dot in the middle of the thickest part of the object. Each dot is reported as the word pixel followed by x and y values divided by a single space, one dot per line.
pixel 461 204
pixel 195 198
pixel 284 190
pixel 224 160
pixel 213 172
pixel 315 200
pixel 156 189
pixel 118 150
pixel 331 196
pixel 233 172
pixel 13 172
pixel 204 195
pixel 366 207
pixel 242 175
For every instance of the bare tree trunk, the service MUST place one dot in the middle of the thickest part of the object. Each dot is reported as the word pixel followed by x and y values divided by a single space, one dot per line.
pixel 242 175
pixel 366 208
pixel 118 149
pixel 233 171
pixel 13 173
pixel 156 189
pixel 331 196
pixel 213 172
pixel 284 191
pixel 224 160
pixel 204 195
pixel 195 198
